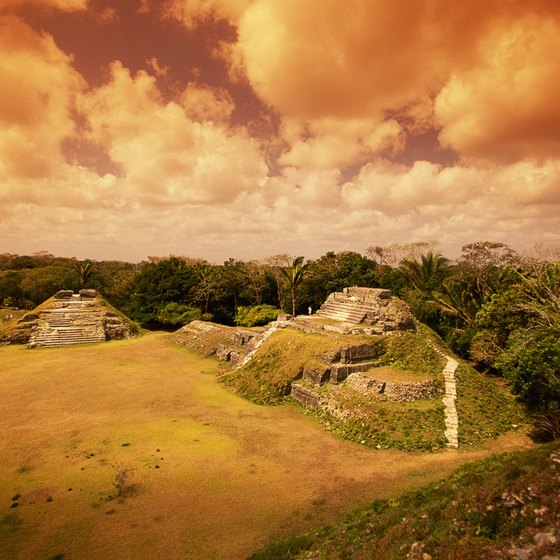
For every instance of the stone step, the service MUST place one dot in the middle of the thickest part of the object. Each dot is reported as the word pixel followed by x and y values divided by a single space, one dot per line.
pixel 339 372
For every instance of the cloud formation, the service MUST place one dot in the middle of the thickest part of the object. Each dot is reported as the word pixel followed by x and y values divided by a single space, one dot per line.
pixel 300 147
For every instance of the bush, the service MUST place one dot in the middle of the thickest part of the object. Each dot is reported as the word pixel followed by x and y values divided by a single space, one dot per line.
pixel 256 315
pixel 531 361
pixel 177 314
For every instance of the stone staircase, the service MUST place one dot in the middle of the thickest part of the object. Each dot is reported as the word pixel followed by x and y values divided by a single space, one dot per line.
pixel 345 311
pixel 74 323
pixel 373 309
pixel 450 399
pixel 259 341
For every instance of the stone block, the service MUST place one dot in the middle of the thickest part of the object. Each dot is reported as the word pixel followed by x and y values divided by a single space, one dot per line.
pixel 223 352
pixel 88 294
pixel 317 375
pixel 359 352
pixel 305 396
pixel 63 294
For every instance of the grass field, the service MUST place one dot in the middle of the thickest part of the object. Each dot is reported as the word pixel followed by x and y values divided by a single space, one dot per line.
pixel 132 450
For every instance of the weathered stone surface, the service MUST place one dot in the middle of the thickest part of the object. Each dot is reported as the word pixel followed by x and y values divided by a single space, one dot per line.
pixel 359 352
pixel 117 328
pixel 305 396
pixel 365 385
pixel 63 294
pixel 64 320
pixel 29 317
pixel 243 337
pixel 317 375
pixel 18 335
pixel 391 390
pixel 339 372
pixel 284 317
pixel 223 352
pixel 88 294
pixel 368 306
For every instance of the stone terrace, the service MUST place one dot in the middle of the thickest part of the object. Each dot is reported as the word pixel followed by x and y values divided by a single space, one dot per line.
pixel 368 306
pixel 71 320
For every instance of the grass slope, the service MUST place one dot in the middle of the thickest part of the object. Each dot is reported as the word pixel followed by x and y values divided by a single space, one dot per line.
pixel 486 407
pixel 267 378
pixel 484 510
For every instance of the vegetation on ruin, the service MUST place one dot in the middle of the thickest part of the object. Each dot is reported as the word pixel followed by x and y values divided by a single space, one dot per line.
pixel 486 407
pixel 267 378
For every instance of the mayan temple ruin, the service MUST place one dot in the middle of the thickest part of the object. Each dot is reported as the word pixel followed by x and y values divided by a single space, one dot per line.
pixel 71 318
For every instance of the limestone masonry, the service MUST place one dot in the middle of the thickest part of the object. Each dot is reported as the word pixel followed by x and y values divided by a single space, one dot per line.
pixel 371 307
pixel 71 318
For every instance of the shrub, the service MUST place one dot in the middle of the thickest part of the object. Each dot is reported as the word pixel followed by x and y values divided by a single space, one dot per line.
pixel 177 314
pixel 256 315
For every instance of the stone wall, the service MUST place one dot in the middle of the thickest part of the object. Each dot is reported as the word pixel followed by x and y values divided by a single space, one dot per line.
pixel 390 390
pixel 305 396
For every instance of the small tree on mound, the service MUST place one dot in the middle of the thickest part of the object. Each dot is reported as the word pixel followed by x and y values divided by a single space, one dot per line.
pixel 294 275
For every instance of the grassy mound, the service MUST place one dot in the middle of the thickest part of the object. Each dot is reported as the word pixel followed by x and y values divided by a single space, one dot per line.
pixel 417 425
pixel 486 407
pixel 267 378
pixel 484 510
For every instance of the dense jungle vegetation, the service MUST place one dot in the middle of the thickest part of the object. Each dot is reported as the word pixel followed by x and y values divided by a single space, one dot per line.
pixel 492 306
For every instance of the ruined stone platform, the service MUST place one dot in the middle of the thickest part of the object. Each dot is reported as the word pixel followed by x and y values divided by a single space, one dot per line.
pixel 367 307
pixel 71 318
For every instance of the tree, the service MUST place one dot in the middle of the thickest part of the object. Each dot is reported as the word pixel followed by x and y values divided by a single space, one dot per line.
pixel 157 284
pixel 275 264
pixel 426 273
pixel 393 254
pixel 84 270
pixel 256 315
pixel 256 282
pixel 208 285
pixel 486 265
pixel 294 275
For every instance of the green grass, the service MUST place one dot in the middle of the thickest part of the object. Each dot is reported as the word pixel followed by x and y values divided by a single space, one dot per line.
pixel 411 351
pixel 479 512
pixel 410 426
pixel 267 378
pixel 485 406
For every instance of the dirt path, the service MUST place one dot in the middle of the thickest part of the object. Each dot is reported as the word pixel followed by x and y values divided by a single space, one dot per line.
pixel 213 476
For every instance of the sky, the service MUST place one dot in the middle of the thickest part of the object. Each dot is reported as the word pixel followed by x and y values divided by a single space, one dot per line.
pixel 247 128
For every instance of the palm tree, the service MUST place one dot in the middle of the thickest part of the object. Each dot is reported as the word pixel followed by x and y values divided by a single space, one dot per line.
pixel 84 270
pixel 294 275
pixel 456 299
pixel 426 274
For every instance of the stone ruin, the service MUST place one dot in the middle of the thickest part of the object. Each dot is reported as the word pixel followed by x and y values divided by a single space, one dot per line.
pixel 70 318
pixel 372 307
pixel 356 366
pixel 354 310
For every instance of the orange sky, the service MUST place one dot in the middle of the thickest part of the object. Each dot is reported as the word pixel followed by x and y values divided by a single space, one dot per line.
pixel 245 128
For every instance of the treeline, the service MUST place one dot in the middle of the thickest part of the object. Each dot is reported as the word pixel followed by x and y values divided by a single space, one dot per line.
pixel 492 306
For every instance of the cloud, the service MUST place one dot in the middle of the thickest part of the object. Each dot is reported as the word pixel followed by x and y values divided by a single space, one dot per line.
pixel 335 143
pixel 490 67
pixel 203 103
pixel 191 12
pixel 394 189
pixel 506 108
pixel 63 5
pixel 166 156
pixel 37 91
